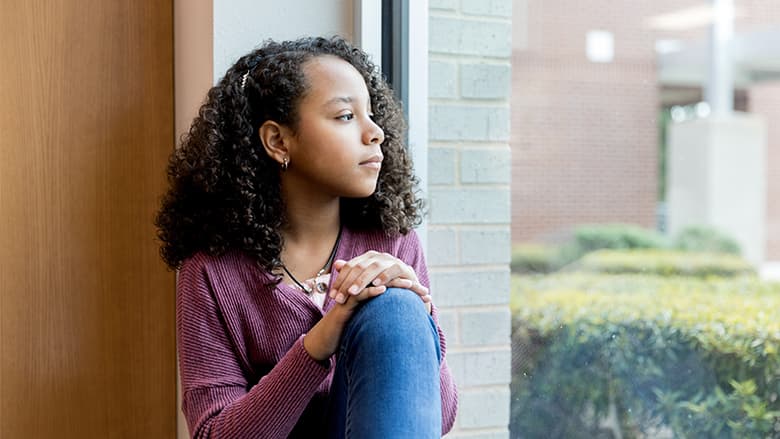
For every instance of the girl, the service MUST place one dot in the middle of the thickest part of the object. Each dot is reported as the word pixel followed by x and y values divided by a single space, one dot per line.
pixel 302 301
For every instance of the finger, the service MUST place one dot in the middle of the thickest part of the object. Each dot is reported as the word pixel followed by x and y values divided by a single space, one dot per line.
pixel 335 268
pixel 366 293
pixel 398 270
pixel 344 270
pixel 395 270
pixel 418 288
pixel 352 268
pixel 400 282
pixel 370 292
pixel 363 273
pixel 349 275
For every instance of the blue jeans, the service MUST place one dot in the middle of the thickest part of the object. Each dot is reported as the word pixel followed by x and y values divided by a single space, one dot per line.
pixel 386 382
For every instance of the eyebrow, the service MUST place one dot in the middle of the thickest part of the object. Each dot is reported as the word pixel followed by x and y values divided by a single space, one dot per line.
pixel 345 100
pixel 340 99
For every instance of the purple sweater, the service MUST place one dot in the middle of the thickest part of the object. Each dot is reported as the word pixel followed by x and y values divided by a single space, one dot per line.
pixel 244 371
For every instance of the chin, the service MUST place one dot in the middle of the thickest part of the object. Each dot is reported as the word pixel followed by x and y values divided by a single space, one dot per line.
pixel 360 195
pixel 363 192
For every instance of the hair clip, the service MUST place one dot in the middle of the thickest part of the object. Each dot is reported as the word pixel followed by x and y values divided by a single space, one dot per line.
pixel 243 80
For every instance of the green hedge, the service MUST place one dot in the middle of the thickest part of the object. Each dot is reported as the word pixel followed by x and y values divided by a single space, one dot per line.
pixel 705 239
pixel 664 262
pixel 530 258
pixel 589 238
pixel 690 357
pixel 534 258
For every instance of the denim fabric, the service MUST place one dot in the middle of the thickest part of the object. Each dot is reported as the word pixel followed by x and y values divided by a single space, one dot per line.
pixel 386 382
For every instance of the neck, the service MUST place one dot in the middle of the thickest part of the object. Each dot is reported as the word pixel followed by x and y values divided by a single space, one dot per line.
pixel 310 232
pixel 311 218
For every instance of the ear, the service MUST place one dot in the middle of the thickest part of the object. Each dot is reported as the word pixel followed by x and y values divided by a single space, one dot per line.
pixel 276 140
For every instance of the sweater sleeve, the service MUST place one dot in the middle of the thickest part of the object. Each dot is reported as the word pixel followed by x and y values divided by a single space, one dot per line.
pixel 411 253
pixel 216 400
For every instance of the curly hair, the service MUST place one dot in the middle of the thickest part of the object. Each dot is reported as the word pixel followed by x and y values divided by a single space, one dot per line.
pixel 224 189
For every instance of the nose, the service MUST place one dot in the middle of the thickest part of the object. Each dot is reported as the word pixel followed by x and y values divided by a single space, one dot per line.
pixel 373 133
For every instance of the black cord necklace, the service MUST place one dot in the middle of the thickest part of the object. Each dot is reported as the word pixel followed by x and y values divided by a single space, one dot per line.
pixel 321 286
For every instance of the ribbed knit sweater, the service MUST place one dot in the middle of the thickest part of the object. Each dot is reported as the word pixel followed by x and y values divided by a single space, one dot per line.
pixel 244 370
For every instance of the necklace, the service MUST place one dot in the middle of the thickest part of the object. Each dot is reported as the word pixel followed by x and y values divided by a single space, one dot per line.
pixel 320 281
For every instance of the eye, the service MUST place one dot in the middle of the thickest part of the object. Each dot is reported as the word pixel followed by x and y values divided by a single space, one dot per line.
pixel 346 117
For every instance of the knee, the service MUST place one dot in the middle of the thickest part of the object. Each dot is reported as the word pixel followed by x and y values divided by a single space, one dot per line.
pixel 396 312
pixel 396 304
pixel 395 322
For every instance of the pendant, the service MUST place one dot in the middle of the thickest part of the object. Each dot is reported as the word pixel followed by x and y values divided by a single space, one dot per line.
pixel 321 283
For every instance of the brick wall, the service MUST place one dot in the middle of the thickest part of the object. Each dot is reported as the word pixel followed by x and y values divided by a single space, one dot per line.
pixel 585 135
pixel 468 228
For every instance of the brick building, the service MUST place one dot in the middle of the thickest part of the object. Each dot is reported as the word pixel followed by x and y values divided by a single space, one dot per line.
pixel 585 135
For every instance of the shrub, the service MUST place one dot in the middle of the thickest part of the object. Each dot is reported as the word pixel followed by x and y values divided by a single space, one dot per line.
pixel 611 236
pixel 705 239
pixel 534 258
pixel 690 357
pixel 664 262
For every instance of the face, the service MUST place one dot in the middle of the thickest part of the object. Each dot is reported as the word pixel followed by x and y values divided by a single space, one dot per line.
pixel 336 145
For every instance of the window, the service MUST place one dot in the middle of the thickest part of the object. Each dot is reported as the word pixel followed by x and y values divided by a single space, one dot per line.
pixel 645 196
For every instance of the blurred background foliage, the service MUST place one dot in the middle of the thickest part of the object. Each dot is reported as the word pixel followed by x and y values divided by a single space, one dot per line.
pixel 620 332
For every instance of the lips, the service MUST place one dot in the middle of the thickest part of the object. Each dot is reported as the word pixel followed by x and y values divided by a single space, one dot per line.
pixel 375 161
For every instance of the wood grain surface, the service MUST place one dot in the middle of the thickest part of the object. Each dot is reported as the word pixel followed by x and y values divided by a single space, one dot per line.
pixel 87 344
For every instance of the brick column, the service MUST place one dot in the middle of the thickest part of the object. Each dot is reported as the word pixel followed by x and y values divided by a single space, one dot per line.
pixel 468 182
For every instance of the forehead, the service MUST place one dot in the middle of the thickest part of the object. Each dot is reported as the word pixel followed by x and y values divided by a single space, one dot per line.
pixel 330 76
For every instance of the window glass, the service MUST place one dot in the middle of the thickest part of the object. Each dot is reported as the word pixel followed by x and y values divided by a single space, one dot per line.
pixel 645 219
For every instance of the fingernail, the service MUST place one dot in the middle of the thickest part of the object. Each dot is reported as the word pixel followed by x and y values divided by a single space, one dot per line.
pixel 353 289
pixel 332 294
pixel 340 298
pixel 376 281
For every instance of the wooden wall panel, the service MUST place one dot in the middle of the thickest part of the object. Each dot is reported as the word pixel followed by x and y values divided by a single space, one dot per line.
pixel 86 306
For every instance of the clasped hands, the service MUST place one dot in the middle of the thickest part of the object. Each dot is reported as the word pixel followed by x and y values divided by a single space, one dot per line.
pixel 370 275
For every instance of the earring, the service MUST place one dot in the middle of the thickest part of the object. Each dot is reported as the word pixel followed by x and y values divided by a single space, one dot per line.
pixel 285 163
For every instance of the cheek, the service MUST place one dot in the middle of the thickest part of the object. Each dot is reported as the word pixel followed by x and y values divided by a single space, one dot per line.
pixel 321 141
pixel 305 144
pixel 312 135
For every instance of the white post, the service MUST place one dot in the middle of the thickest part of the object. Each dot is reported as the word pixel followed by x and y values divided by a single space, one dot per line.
pixel 719 91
